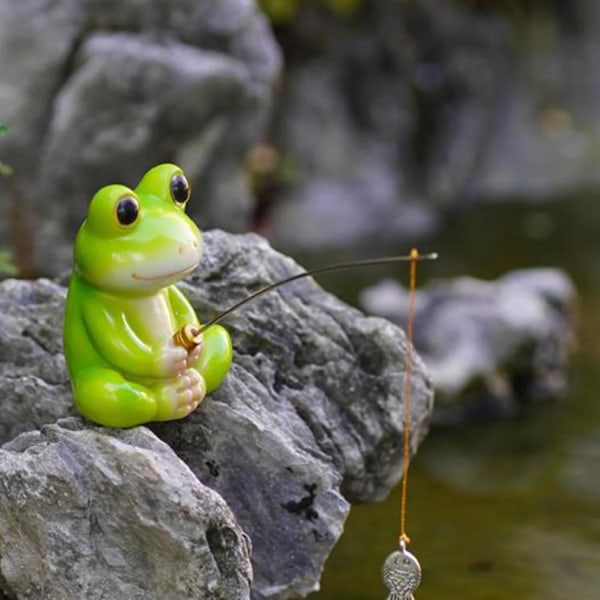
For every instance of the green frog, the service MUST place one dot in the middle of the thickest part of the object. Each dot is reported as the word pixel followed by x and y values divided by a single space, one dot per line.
pixel 123 310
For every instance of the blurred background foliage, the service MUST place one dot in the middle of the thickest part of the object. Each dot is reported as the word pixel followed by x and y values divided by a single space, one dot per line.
pixel 4 169
pixel 7 267
pixel 283 11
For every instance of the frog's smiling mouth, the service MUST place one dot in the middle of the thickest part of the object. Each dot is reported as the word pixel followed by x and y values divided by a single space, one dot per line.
pixel 163 276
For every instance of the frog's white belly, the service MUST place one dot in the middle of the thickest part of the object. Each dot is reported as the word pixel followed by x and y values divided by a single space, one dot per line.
pixel 151 317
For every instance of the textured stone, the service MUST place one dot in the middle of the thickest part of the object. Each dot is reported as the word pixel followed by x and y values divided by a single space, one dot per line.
pixel 506 341
pixel 97 92
pixel 34 384
pixel 310 416
pixel 88 512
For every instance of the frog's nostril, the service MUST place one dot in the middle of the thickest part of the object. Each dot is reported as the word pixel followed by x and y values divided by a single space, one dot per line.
pixel 180 250
pixel 195 243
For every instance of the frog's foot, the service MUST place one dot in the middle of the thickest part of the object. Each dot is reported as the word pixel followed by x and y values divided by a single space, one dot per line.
pixel 179 396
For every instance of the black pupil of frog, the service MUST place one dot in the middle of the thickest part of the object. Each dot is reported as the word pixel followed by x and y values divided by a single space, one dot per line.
pixel 180 189
pixel 127 211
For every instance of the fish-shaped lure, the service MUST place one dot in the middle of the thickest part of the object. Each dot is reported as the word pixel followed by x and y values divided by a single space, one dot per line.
pixel 401 574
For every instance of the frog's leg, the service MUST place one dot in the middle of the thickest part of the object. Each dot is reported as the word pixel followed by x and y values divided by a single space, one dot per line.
pixel 106 397
pixel 215 360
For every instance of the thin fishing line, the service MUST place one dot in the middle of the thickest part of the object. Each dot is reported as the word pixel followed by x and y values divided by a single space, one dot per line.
pixel 414 259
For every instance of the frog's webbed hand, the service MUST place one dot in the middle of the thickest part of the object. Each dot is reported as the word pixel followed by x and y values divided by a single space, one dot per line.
pixel 179 396
pixel 171 359
pixel 213 359
pixel 185 315
pixel 194 355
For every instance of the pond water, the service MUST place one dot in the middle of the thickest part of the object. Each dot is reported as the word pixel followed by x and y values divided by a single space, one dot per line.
pixel 507 509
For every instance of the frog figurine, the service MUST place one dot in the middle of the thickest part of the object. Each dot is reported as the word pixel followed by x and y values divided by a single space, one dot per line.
pixel 124 316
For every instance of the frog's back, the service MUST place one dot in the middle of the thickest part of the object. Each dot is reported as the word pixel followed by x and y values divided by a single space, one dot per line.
pixel 78 348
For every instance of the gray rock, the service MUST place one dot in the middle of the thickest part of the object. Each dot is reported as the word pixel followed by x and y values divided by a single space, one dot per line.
pixel 506 341
pixel 97 92
pixel 310 417
pixel 34 384
pixel 88 512
pixel 315 388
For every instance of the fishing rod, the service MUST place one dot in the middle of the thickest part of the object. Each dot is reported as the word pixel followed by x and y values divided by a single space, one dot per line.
pixel 190 335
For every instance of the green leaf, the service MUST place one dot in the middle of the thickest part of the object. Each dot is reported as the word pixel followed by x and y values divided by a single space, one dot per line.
pixel 4 169
pixel 7 267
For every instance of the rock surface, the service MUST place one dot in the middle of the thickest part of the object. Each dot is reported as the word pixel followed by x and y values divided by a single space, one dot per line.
pixel 506 341
pixel 34 384
pixel 97 92
pixel 310 416
pixel 88 512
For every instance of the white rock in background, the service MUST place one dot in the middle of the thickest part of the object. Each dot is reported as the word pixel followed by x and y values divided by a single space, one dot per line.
pixel 507 340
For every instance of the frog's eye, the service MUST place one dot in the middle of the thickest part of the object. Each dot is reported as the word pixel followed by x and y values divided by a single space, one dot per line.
pixel 127 211
pixel 180 188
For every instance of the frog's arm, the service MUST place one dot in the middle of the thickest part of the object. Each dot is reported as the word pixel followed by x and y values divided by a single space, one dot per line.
pixel 181 307
pixel 115 340
pixel 215 360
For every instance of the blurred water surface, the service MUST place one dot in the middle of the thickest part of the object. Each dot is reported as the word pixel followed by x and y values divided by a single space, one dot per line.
pixel 509 509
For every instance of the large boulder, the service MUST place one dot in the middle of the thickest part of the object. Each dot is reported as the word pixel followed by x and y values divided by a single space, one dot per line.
pixel 490 345
pixel 87 512
pixel 315 388
pixel 309 418
pixel 97 92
